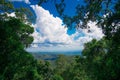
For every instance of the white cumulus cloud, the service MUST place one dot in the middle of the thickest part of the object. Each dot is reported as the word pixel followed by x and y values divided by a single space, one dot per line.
pixel 52 35
pixel 26 1
pixel 11 14
pixel 93 32
pixel 49 28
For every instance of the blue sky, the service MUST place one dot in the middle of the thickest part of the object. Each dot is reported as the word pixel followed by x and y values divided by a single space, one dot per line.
pixel 50 31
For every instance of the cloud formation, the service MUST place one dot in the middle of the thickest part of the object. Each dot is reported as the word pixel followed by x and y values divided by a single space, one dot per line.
pixel 49 28
pixel 26 1
pixel 11 14
pixel 51 34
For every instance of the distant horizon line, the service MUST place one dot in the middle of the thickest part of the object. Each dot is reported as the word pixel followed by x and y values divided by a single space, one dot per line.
pixel 57 51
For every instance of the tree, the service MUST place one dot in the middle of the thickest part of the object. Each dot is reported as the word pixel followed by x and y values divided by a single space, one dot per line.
pixel 15 62
pixel 99 60
pixel 94 53
pixel 61 64
pixel 101 56
pixel 57 77
pixel 44 69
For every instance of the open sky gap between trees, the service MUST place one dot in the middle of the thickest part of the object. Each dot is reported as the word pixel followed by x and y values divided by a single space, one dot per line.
pixel 99 59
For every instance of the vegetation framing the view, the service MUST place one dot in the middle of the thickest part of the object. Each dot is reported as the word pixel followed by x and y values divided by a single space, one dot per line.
pixel 100 60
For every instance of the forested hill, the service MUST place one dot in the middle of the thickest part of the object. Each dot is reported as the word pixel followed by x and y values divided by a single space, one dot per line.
pixel 99 60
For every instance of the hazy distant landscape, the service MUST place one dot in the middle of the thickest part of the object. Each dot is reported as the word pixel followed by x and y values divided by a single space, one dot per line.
pixel 53 55
pixel 59 39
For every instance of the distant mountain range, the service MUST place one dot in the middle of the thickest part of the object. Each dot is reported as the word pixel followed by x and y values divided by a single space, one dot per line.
pixel 62 52
pixel 53 55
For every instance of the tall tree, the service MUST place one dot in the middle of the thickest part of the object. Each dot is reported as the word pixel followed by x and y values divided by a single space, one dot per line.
pixel 15 62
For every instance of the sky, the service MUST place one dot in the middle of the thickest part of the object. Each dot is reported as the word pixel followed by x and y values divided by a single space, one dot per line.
pixel 50 34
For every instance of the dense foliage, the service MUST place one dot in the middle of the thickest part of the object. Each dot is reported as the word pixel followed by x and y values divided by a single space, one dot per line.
pixel 100 60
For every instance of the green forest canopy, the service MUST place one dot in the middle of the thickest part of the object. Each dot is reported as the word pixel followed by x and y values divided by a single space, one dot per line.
pixel 100 60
